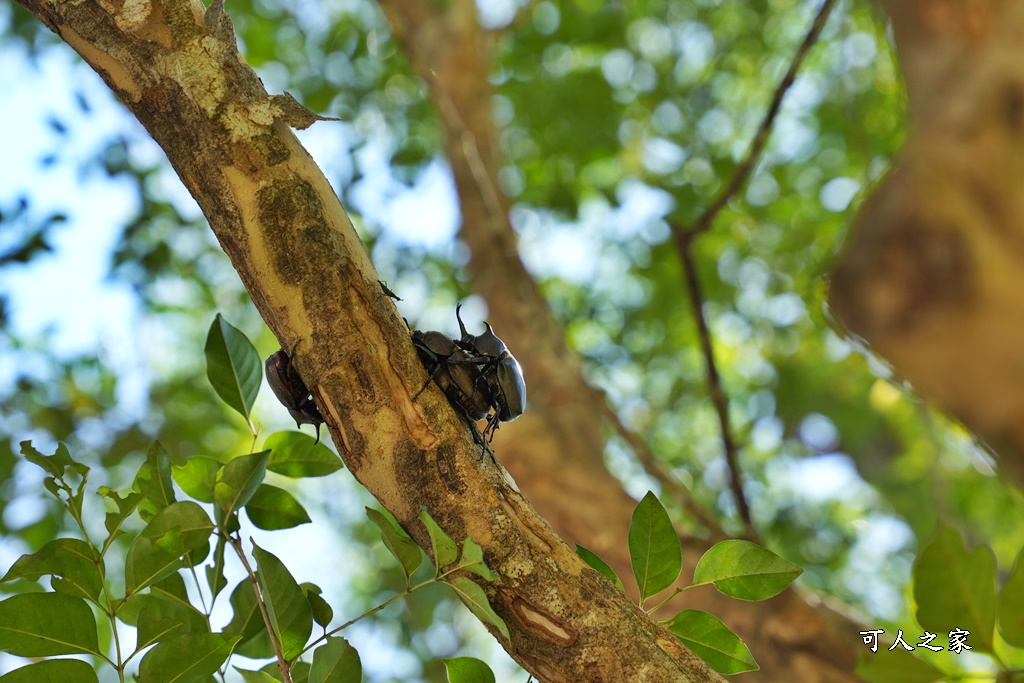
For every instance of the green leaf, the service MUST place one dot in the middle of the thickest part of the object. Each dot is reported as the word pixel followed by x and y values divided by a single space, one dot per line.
pixel 166 599
pixel 398 542
pixel 271 508
pixel 178 529
pixel 475 599
pixel 153 480
pixel 125 507
pixel 323 613
pixel 295 454
pixel 445 550
pixel 197 477
pixel 233 366
pixel 186 657
pixel 260 646
pixel 45 624
pixel 897 667
pixel 255 676
pixel 956 587
pixel 600 565
pixel 745 570
pixel 69 561
pixel 246 620
pixel 712 641
pixel 51 464
pixel 215 578
pixel 336 662
pixel 52 671
pixel 654 548
pixel 286 603
pixel 300 671
pixel 151 629
pixel 238 480
pixel 1011 604
pixel 472 560
pixel 468 670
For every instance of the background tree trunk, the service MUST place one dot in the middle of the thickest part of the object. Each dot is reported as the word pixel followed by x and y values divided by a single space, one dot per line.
pixel 933 274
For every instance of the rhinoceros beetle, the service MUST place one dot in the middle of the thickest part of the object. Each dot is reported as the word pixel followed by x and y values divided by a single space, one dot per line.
pixel 292 392
pixel 500 369
pixel 477 373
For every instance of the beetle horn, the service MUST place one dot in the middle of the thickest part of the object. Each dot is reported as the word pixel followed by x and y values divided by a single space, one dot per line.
pixel 462 327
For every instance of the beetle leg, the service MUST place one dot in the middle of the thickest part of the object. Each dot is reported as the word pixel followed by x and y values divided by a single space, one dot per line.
pixel 437 360
pixel 430 378
pixel 492 426
pixel 480 438
pixel 426 384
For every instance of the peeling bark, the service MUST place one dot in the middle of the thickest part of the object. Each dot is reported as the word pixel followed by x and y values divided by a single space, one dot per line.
pixel 933 274
pixel 176 66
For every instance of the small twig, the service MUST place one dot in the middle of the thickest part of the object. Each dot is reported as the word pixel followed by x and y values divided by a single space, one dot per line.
pixel 439 578
pixel 684 245
pixel 743 171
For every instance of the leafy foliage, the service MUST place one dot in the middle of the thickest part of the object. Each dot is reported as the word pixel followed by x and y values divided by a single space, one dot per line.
pixel 740 569
pixel 272 613
pixel 600 565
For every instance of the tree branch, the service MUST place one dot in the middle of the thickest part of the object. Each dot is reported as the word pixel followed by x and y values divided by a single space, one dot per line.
pixel 757 144
pixel 685 237
pixel 175 64
pixel 719 398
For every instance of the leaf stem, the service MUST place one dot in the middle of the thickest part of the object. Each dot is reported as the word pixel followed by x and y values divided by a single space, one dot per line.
pixel 664 602
pixel 110 611
pixel 437 578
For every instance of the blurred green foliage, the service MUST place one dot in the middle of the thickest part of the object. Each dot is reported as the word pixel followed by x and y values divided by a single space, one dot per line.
pixel 615 119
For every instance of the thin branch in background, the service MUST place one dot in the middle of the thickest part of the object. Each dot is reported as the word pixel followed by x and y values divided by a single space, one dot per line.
pixel 684 245
pixel 718 396
pixel 656 469
pixel 743 171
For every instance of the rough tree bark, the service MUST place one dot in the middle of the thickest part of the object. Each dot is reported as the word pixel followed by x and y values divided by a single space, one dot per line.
pixel 176 66
pixel 556 450
pixel 933 274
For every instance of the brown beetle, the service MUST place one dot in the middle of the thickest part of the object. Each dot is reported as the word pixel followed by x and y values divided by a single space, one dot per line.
pixel 292 392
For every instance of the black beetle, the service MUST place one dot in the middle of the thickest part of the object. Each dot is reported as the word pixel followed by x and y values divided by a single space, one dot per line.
pixel 454 371
pixel 292 392
pixel 459 378
pixel 500 369
pixel 476 373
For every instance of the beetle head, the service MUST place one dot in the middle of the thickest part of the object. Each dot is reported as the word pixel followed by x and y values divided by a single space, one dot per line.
pixel 486 344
